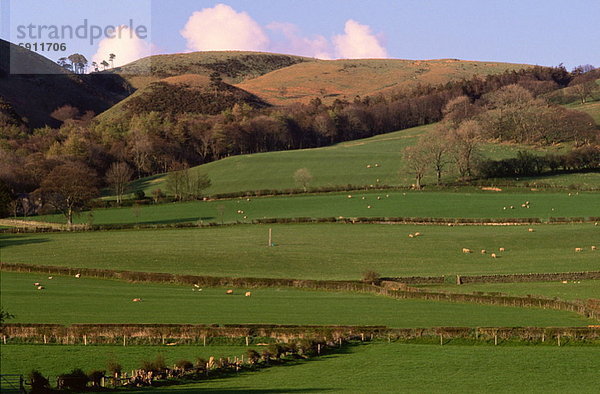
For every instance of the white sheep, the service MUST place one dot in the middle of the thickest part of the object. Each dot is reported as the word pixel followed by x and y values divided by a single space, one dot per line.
pixel 501 249
pixel 466 250
pixel 248 294
pixel 578 249
pixel 229 292
pixel 594 248
pixel 493 255
pixel 531 230
pixel 78 276
pixel 40 287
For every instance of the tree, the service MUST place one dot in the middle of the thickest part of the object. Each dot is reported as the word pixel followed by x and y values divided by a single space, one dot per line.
pixel 118 176
pixel 104 64
pixel 417 160
pixel 112 57
pixel 4 316
pixel 68 188
pixel 463 144
pixel 584 85
pixel 185 184
pixel 302 177
pixel 436 147
pixel 78 62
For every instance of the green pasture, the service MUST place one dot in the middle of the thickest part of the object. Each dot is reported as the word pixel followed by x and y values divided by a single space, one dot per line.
pixel 58 359
pixel 316 251
pixel 338 165
pixel 68 300
pixel 462 203
pixel 396 368
pixel 572 290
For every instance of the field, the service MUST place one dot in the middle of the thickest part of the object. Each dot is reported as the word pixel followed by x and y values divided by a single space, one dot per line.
pixel 463 203
pixel 105 301
pixel 316 251
pixel 425 368
pixel 567 291
pixel 338 165
pixel 21 359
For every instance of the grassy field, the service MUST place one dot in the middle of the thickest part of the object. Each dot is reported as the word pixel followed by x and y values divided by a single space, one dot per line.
pixel 338 165
pixel 463 203
pixel 426 369
pixel 316 251
pixel 567 291
pixel 106 301
pixel 57 359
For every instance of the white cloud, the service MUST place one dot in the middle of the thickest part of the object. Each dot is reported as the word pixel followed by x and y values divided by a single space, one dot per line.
pixel 317 46
pixel 127 47
pixel 223 28
pixel 358 42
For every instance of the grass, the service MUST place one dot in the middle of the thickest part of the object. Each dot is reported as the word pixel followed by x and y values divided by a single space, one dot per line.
pixel 67 300
pixel 315 251
pixel 425 368
pixel 464 203
pixel 338 165
pixel 567 291
pixel 58 359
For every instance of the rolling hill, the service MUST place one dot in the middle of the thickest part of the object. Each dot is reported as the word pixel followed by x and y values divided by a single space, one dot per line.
pixel 44 87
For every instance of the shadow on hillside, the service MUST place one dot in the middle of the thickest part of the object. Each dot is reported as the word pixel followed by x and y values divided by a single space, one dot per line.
pixel 13 240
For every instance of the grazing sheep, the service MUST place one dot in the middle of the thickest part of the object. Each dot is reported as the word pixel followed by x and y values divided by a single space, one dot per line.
pixel 368 166
pixel 248 294
pixel 387 195
pixel 40 287
pixel 377 180
pixel 379 198
pixel 78 276
pixel 377 165
pixel 593 248
pixel 411 236
pixel 531 230
pixel 36 284
pixel 349 196
pixel 493 255
pixel 368 206
pixel 50 277
pixel 483 251
pixel 504 208
pixel 578 249
pixel 501 249
pixel 465 250
pixel 564 281
pixel 363 198
pixel 196 286
pixel 512 207
pixel 417 234
pixel 245 217
pixel 523 205
pixel 137 300
pixel 229 292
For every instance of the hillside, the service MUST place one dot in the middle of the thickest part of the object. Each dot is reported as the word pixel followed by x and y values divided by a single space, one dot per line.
pixel 44 87
pixel 345 79
pixel 338 165
pixel 232 66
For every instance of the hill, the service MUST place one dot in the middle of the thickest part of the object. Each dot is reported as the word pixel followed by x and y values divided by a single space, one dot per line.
pixel 43 86
pixel 338 165
pixel 345 79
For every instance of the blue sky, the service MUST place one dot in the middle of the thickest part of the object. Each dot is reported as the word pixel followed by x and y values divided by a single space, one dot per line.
pixel 545 32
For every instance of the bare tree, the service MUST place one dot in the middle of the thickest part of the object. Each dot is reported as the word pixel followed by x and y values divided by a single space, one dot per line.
pixel 417 161
pixel 464 142
pixel 68 188
pixel 302 177
pixel 118 176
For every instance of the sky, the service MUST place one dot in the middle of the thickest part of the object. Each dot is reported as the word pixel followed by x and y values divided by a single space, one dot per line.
pixel 544 32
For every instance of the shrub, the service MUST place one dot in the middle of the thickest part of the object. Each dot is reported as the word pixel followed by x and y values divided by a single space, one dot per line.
pixel 371 277
pixel 253 356
pixel 156 365
pixel 39 384
pixel 200 363
pixel 96 377
pixel 114 367
pixel 139 194
pixel 75 380
pixel 184 364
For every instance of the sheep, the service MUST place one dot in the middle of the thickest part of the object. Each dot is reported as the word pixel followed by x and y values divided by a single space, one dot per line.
pixel 411 236
pixel 523 205
pixel 417 234
pixel 483 251
pixel 504 208
pixel 466 250
pixel 229 292
pixel 501 249
pixel 564 282
pixel 50 277
pixel 387 195
pixel 40 287
pixel 349 196
pixel 137 300
pixel 379 198
pixel 531 230
pixel 578 249
pixel 368 166
pixel 36 284
pixel 196 285
pixel 363 198
pixel 512 207
pixel 493 255
pixel 594 248
pixel 368 206
pixel 248 294
pixel 78 276
pixel 377 165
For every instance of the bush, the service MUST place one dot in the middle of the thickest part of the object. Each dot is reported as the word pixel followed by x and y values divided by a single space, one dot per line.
pixel 371 277
pixel 75 380
pixel 253 356
pixel 96 377
pixel 114 368
pixel 156 365
pixel 39 384
pixel 139 194
pixel 184 364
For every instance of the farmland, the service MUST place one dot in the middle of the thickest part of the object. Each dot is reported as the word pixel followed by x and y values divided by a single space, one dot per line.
pixel 427 368
pixel 308 251
pixel 103 301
